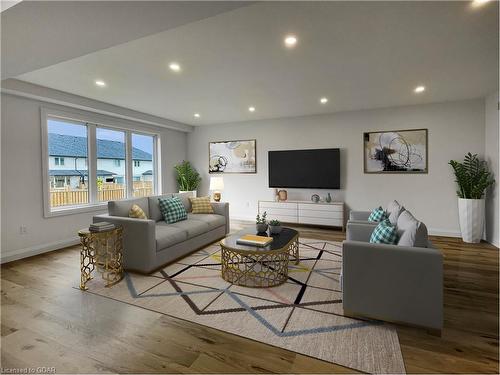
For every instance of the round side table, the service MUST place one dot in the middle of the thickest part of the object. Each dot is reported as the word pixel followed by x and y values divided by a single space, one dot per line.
pixel 101 251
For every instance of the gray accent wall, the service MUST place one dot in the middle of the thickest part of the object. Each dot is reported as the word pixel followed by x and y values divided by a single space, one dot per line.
pixel 21 180
pixel 454 129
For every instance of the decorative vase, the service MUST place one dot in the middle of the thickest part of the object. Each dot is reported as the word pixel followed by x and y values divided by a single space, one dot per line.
pixel 275 229
pixel 261 228
pixel 315 198
pixel 328 198
pixel 283 195
pixel 471 215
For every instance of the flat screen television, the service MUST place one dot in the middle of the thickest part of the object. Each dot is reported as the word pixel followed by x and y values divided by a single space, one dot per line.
pixel 312 169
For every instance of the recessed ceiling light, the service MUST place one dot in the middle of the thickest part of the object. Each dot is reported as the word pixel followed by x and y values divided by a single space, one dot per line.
pixel 197 115
pixel 290 41
pixel 478 3
pixel 174 67
pixel 100 83
pixel 251 109
pixel 323 100
pixel 419 89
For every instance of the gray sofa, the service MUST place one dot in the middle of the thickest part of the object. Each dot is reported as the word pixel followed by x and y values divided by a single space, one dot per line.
pixel 393 210
pixel 397 283
pixel 151 243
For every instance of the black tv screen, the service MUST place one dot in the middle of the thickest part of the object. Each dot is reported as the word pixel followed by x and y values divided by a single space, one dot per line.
pixel 313 169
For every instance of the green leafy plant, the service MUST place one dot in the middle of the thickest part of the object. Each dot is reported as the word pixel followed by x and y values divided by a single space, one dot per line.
pixel 188 178
pixel 261 219
pixel 472 177
pixel 274 223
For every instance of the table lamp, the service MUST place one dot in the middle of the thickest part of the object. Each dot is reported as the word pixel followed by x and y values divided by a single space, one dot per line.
pixel 216 185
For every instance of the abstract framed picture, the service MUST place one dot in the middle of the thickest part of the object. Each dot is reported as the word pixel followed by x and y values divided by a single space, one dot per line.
pixel 232 156
pixel 396 151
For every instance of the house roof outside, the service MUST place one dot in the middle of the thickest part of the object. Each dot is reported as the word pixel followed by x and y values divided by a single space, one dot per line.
pixel 71 146
pixel 73 172
pixel 149 172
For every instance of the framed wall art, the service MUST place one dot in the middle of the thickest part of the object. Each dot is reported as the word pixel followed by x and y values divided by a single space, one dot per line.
pixel 396 151
pixel 232 156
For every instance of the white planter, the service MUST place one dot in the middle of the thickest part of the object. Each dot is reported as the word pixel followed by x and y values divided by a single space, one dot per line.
pixel 471 215
pixel 193 192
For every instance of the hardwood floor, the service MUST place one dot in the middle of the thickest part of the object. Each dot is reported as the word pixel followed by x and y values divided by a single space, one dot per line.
pixel 46 322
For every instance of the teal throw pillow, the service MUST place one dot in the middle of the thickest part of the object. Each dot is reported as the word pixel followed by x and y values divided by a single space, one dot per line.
pixel 385 233
pixel 172 209
pixel 377 215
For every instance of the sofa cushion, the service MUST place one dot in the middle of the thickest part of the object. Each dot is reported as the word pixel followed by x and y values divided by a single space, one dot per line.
pixel 201 205
pixel 394 209
pixel 154 207
pixel 377 215
pixel 122 208
pixel 213 220
pixel 384 233
pixel 136 212
pixel 192 227
pixel 172 209
pixel 167 235
pixel 411 231
pixel 185 199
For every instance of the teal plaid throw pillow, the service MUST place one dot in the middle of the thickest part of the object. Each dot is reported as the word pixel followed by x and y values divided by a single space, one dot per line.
pixel 385 233
pixel 172 209
pixel 378 214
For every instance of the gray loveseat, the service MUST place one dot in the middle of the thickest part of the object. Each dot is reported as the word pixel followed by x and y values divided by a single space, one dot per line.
pixel 397 283
pixel 151 243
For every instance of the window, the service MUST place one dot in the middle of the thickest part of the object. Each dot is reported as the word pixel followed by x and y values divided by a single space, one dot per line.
pixel 94 163
pixel 143 170
pixel 59 161
pixel 67 187
pixel 110 144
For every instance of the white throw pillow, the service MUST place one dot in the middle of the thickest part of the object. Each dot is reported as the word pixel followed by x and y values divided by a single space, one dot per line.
pixel 393 210
pixel 412 232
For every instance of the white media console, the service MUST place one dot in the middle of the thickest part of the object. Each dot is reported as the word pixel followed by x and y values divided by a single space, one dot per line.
pixel 305 212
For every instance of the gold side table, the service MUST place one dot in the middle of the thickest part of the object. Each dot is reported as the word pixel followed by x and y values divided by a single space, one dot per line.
pixel 101 251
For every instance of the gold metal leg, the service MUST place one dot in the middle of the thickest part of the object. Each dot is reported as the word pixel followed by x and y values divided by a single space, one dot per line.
pixel 294 250
pixel 86 262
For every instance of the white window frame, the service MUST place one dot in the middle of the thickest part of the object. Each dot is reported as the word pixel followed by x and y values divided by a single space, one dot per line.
pixel 92 122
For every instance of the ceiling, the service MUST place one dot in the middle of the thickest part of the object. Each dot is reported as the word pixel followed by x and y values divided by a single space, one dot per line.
pixel 36 34
pixel 359 55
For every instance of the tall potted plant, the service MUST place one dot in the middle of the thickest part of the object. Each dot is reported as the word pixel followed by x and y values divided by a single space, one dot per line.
pixel 472 178
pixel 188 179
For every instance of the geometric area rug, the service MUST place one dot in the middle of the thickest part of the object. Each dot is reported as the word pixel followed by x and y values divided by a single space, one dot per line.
pixel 303 315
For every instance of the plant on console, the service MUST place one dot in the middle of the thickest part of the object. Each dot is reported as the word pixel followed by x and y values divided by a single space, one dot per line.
pixel 261 222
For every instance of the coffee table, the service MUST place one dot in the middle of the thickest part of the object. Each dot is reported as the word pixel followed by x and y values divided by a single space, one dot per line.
pixel 259 267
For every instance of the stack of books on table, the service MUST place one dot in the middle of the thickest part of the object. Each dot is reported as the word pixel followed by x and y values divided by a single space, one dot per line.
pixel 103 226
pixel 253 240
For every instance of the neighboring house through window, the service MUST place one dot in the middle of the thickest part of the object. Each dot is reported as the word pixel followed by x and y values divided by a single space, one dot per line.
pixel 84 179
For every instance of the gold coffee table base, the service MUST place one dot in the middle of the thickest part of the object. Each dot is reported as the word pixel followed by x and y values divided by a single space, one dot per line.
pixel 259 268
pixel 101 251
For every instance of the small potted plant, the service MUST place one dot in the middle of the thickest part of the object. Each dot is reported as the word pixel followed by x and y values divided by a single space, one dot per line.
pixel 261 222
pixel 275 226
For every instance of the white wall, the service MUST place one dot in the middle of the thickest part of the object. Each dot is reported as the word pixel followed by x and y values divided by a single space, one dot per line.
pixel 491 155
pixel 21 178
pixel 454 129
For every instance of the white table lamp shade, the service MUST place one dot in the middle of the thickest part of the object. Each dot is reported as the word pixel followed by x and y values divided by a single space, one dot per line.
pixel 216 183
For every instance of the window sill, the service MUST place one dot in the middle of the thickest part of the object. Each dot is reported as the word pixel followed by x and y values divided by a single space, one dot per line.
pixel 72 210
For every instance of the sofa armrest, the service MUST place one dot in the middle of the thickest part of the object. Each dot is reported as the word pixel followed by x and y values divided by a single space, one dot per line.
pixel 139 241
pixel 394 283
pixel 359 215
pixel 359 231
pixel 222 208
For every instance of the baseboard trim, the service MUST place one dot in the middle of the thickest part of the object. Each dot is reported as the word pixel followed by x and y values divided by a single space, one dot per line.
pixel 10 256
pixel 444 232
